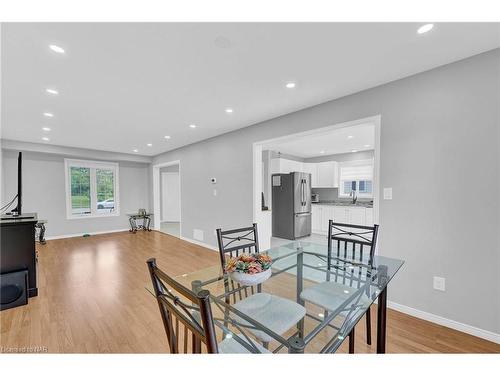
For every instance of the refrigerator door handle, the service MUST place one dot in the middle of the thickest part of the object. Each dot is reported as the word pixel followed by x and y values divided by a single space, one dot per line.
pixel 303 192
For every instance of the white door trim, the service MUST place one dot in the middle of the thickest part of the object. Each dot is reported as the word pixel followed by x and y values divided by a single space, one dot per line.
pixel 157 193
pixel 257 163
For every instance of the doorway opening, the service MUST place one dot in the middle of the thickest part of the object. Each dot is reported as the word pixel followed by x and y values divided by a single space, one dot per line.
pixel 167 198
pixel 332 171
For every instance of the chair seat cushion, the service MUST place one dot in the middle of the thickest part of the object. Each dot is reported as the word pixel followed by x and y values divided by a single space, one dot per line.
pixel 230 346
pixel 330 295
pixel 275 313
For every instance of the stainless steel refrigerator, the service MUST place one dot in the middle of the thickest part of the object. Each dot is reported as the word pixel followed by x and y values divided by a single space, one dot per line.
pixel 291 205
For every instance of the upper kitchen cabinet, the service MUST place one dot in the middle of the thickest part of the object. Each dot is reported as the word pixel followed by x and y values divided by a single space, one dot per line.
pixel 313 170
pixel 323 175
pixel 327 175
pixel 280 165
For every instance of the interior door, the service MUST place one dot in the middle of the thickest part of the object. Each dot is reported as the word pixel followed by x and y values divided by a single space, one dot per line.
pixel 171 199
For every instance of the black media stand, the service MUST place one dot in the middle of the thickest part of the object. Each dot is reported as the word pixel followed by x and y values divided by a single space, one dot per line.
pixel 17 247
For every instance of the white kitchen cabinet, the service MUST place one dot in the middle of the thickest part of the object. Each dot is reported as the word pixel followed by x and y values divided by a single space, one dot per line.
pixel 280 165
pixel 321 214
pixel 369 217
pixel 316 218
pixel 327 175
pixel 356 215
pixel 323 175
pixel 313 170
pixel 340 214
pixel 326 216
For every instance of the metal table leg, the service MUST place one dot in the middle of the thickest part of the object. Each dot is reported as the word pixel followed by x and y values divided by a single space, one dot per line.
pixel 351 341
pixel 382 321
pixel 133 227
pixel 41 238
pixel 296 345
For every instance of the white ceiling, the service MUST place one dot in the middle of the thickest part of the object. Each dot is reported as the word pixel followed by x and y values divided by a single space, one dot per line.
pixel 338 141
pixel 123 85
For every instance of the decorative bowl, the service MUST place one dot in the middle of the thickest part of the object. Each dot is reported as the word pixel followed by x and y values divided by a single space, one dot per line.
pixel 250 279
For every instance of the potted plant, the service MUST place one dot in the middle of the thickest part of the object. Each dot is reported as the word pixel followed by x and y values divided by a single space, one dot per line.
pixel 249 269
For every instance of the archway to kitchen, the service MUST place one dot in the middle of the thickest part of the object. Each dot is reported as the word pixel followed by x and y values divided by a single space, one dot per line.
pixel 343 164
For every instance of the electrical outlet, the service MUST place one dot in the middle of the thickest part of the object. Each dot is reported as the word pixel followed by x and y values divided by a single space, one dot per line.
pixel 198 234
pixel 439 283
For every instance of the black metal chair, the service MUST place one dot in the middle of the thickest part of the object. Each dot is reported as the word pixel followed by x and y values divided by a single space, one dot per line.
pixel 188 314
pixel 258 305
pixel 179 304
pixel 356 243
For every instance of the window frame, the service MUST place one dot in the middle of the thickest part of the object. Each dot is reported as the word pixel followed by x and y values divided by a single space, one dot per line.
pixel 92 165
pixel 341 193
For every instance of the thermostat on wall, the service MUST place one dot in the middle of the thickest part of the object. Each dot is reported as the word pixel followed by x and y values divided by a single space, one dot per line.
pixel 213 180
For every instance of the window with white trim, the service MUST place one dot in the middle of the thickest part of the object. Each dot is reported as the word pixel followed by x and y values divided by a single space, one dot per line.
pixel 356 176
pixel 91 189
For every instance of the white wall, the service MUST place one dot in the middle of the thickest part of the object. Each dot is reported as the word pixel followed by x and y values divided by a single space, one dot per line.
pixel 438 129
pixel 44 192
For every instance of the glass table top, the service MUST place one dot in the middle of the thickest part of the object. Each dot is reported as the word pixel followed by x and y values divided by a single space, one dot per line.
pixel 334 299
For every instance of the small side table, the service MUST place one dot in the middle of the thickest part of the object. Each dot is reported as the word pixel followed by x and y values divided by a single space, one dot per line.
pixel 146 222
pixel 40 227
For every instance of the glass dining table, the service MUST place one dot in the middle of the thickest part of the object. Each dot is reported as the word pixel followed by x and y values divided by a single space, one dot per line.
pixel 340 297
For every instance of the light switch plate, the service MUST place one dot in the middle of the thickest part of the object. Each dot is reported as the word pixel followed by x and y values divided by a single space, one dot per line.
pixel 388 193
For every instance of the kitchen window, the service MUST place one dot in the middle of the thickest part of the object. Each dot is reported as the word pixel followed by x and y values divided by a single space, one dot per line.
pixel 356 176
pixel 91 189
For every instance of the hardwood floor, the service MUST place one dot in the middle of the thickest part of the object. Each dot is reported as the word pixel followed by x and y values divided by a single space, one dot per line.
pixel 92 299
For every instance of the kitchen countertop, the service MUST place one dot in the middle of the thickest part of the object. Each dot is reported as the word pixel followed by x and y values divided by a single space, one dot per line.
pixel 345 204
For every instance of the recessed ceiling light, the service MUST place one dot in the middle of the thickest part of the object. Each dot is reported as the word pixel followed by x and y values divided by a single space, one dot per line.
pixel 350 137
pixel 56 49
pixel 229 110
pixel 46 139
pixel 48 114
pixel 45 129
pixel 425 28
pixel 135 150
pixel 149 145
pixel 290 85
pixel 367 146
pixel 167 137
pixel 52 91
pixel 322 152
pixel 354 150
pixel 192 126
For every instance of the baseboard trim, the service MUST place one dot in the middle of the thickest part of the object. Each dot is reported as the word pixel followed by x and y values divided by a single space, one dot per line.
pixel 199 243
pixel 48 238
pixel 471 330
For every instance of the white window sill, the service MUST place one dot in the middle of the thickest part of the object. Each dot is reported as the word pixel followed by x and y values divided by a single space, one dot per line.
pixel 92 216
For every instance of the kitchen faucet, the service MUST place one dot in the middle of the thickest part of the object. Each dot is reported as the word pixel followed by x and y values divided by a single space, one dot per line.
pixel 354 196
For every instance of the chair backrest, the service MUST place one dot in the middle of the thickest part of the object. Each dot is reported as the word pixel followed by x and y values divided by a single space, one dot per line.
pixel 186 315
pixel 232 243
pixel 349 241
